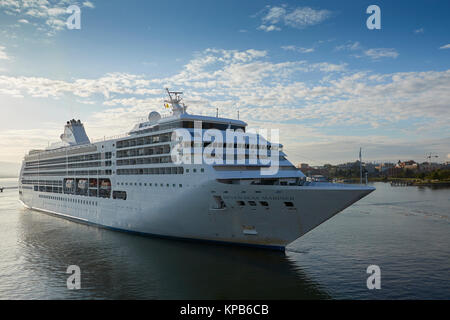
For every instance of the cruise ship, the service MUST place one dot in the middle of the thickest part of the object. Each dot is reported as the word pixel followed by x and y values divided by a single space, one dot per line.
pixel 137 183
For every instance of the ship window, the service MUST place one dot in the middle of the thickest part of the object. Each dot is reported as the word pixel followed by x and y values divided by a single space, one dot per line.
pixel 252 203
pixel 120 195
pixel 289 204
pixel 202 170
pixel 241 203
pixel 195 170
pixel 218 203
pixel 264 203
pixel 105 188
pixel 180 185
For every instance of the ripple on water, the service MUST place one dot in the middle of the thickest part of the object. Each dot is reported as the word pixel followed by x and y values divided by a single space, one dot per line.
pixel 405 232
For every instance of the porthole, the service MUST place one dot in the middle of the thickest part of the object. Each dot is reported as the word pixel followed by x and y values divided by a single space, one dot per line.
pixel 289 204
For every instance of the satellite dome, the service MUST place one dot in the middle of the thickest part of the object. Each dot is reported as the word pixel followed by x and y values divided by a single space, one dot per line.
pixel 154 117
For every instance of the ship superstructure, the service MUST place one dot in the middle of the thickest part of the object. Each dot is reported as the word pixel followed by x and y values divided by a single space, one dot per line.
pixel 134 183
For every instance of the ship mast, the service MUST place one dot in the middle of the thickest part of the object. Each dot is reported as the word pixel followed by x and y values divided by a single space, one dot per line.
pixel 175 101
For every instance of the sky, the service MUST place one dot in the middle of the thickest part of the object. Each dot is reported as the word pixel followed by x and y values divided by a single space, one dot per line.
pixel 312 69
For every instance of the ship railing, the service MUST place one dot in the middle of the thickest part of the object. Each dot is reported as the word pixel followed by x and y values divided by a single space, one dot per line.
pixel 105 138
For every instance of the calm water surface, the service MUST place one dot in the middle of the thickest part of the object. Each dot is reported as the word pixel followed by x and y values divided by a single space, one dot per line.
pixel 404 230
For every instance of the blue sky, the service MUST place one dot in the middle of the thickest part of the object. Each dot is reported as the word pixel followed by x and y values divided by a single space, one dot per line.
pixel 310 68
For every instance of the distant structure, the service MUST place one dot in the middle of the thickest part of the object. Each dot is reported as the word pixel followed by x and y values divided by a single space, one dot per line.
pixel 384 167
pixel 303 166
pixel 411 164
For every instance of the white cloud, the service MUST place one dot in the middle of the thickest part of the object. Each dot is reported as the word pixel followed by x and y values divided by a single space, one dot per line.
pixel 56 24
pixel 303 17
pixel 447 46
pixel 269 28
pixel 374 53
pixel 88 4
pixel 11 6
pixel 379 53
pixel 269 94
pixel 299 18
pixel 113 83
pixel 419 31
pixel 352 46
pixel 274 15
pixel 49 16
pixel 3 55
pixel 298 49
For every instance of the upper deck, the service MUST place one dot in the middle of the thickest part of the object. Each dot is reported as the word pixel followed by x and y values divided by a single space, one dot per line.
pixel 147 149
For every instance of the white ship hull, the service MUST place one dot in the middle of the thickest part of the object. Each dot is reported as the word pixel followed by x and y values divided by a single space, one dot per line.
pixel 188 214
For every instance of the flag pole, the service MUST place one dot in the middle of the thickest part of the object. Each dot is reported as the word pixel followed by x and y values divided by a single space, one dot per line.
pixel 360 166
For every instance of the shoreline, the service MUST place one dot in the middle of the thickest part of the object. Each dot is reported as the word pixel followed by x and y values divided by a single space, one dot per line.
pixel 400 181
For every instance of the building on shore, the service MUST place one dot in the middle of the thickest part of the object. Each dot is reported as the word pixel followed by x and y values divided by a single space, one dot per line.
pixel 410 164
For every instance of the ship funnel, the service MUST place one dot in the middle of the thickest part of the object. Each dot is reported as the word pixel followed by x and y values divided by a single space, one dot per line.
pixel 74 133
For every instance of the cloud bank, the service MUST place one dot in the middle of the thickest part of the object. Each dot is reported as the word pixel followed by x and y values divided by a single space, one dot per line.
pixel 337 109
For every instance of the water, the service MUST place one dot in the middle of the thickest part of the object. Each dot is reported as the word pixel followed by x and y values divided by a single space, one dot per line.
pixel 403 230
